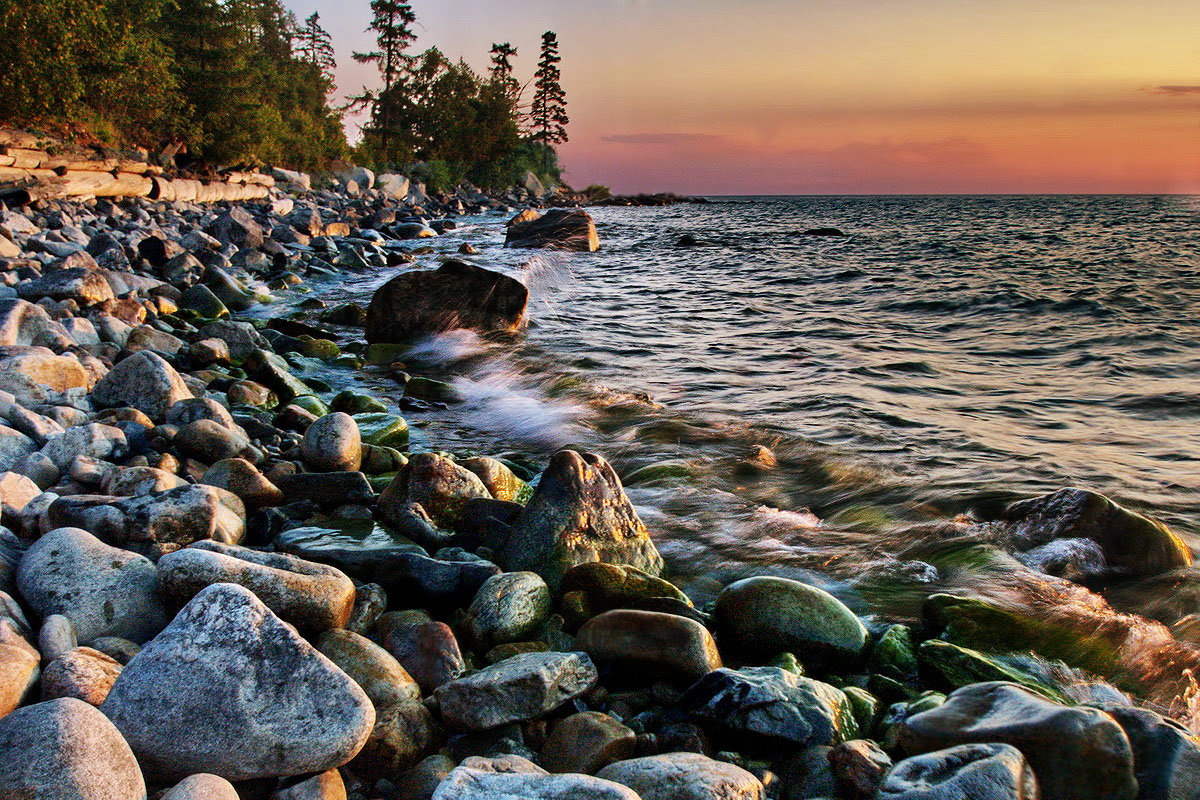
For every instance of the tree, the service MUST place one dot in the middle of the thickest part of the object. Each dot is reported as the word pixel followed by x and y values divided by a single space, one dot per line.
pixel 316 48
pixel 502 70
pixel 392 23
pixel 549 109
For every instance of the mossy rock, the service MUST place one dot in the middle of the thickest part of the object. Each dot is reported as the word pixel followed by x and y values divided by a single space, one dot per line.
pixel 383 429
pixel 355 403
pixel 381 354
pixel 272 371
pixel 864 706
pixel 348 362
pixel 659 472
pixel 895 655
pixel 787 661
pixel 430 389
pixel 323 349
pixel 382 460
pixel 312 404
pixel 951 667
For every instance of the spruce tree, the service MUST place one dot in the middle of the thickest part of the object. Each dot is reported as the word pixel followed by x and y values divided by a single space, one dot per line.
pixel 502 69
pixel 392 23
pixel 316 48
pixel 549 109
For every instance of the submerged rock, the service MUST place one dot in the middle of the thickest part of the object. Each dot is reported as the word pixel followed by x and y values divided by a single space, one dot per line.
pixel 455 295
pixel 578 513
pixel 230 689
pixel 557 229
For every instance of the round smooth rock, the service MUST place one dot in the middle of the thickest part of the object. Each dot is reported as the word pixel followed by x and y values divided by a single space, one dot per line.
pixel 650 645
pixel 326 786
pixel 19 667
pixel 517 689
pixel 333 444
pixel 404 733
pixel 380 675
pixel 201 787
pixel 765 616
pixel 508 608
pixel 684 776
pixel 82 673
pixel 587 742
pixel 56 637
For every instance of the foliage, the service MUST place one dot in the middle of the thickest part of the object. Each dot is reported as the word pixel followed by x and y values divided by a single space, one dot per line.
pixel 316 48
pixel 549 111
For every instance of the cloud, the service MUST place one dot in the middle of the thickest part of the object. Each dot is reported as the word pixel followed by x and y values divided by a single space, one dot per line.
pixel 662 138
pixel 1177 89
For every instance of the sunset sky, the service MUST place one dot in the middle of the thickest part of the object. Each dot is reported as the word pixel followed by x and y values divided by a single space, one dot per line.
pixel 846 96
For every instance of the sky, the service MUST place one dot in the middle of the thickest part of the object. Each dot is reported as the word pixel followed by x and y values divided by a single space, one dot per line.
pixel 845 96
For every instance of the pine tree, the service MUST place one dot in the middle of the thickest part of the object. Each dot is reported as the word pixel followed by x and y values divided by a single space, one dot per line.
pixel 549 109
pixel 316 48
pixel 392 23
pixel 502 70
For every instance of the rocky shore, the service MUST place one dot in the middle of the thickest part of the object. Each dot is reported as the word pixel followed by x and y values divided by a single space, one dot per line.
pixel 183 616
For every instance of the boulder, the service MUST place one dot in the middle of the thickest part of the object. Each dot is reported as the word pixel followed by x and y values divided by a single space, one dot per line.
pixel 239 476
pixel 102 590
pixel 65 749
pixel 508 608
pixel 1055 739
pixel 965 772
pixel 246 696
pixel 455 295
pixel 333 444
pixel 379 674
pixel 19 667
pixel 517 689
pixel 1166 756
pixel 22 323
pixel 393 185
pixel 209 441
pixel 557 229
pixel 201 787
pixel 82 673
pixel 684 776
pixel 859 767
pixel 468 783
pixel 237 227
pixel 36 375
pixel 578 513
pixel 587 742
pixel 426 649
pixel 87 287
pixel 313 597
pixel 404 733
pixel 144 381
pixel 439 486
pixel 650 645
pixel 103 442
pixel 14 447
pixel 772 704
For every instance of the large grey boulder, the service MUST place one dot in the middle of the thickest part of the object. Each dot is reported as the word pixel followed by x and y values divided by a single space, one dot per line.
pixel 310 596
pixel 230 689
pixel 14 446
pixel 965 772
pixel 1166 756
pixel 1055 739
pixel 93 440
pixel 144 381
pixel 517 689
pixel 482 781
pixel 66 750
pixel 684 776
pixel 455 295
pixel 578 513
pixel 102 590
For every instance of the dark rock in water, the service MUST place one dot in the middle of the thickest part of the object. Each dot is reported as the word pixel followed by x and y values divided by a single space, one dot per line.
pixel 948 666
pixel 765 615
pixel 455 295
pixel 557 229
pixel 1133 545
pixel 361 550
pixel 578 513
pixel 687 240
pixel 968 771
pixel 773 704
pixel 231 690
pixel 1076 753
pixel 1165 756
pixel 823 232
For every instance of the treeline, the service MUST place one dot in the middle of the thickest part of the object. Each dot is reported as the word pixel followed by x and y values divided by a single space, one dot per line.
pixel 222 81
pixel 243 81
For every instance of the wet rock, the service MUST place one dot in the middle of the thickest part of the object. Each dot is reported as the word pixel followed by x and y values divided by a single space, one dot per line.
pixel 468 783
pixel 587 742
pixel 66 750
pixel 823 232
pixel 609 586
pixel 19 670
pixel 426 649
pixel 241 338
pixel 327 487
pixel 239 476
pixel 520 688
pixel 438 485
pixel 948 666
pixel 965 772
pixel 508 608
pixel 403 734
pixel 774 704
pixel 646 645
pixel 765 615
pixel 455 295
pixel 1132 545
pixel 557 229
pixel 499 480
pixel 143 381
pixel 82 673
pixel 684 776
pixel 379 674
pixel 579 513
pixel 1054 738
pixel 333 444
pixel 1166 757
pixel 102 590
pixel 310 596
pixel 249 698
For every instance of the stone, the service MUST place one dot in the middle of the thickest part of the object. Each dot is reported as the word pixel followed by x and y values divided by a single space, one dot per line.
pixel 327 487
pixel 1132 545
pixel 427 650
pixel 586 743
pixel 508 608
pixel 16 491
pixel 237 227
pixel 144 381
pixel 82 673
pixel 420 782
pixel 578 513
pixel 239 476
pixel 201 787
pixel 948 666
pixel 762 616
pixel 103 442
pixel 22 323
pixel 247 696
pixel 517 689
pixel 859 766
pixel 441 487
pixel 557 229
pixel 1166 756
pixel 102 590
pixel 65 749
pixel 379 674
pixel 313 597
pixel 466 783
pixel 773 704
pixel 56 636
pixel 19 667
pixel 208 441
pixel 241 338
pixel 609 586
pixel 36 375
pixel 332 444
pixel 140 481
pixel 404 733
pixel 1055 739
pixel 648 645
pixel 393 185
pixel 964 772
pixel 684 776
pixel 14 447
pixel 895 655
pixel 498 479
pixel 455 295
pixel 87 287
pixel 326 786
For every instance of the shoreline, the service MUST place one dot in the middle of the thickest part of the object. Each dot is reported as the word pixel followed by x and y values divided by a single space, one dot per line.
pixel 444 664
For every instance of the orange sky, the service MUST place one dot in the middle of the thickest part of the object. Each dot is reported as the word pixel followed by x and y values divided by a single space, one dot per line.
pixel 856 96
